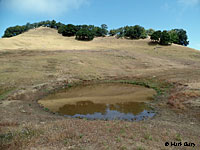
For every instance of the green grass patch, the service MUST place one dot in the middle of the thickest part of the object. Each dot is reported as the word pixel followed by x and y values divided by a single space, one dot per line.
pixel 178 137
pixel 148 137
pixel 25 134
pixel 46 109
pixel 5 92
pixel 7 137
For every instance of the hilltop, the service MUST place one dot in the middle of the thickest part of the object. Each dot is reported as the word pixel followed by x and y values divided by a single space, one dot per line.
pixel 41 61
pixel 44 38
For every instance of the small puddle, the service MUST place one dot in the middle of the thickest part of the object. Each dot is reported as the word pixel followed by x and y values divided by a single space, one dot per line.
pixel 108 101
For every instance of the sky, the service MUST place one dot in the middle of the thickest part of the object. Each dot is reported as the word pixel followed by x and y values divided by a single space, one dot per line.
pixel 156 14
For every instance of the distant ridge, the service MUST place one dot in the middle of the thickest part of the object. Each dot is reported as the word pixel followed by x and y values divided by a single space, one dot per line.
pixel 45 38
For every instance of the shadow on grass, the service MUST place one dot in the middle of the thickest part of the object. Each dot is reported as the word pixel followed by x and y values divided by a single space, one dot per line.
pixel 151 43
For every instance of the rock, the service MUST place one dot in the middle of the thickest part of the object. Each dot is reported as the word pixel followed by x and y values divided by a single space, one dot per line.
pixel 23 111
pixel 39 86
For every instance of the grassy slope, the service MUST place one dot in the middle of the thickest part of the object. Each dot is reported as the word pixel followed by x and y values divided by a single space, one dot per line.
pixel 42 56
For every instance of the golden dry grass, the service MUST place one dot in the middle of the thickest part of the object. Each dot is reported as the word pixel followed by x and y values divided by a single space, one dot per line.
pixel 41 60
pixel 37 55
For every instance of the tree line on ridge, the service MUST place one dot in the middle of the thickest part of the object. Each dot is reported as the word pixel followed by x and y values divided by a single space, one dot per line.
pixel 89 32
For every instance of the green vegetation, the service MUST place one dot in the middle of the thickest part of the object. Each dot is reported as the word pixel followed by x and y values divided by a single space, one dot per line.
pixel 135 32
pixel 82 32
pixel 173 36
pixel 68 30
pixel 140 148
pixel 178 137
pixel 46 109
pixel 165 38
pixel 155 37
pixel 130 32
pixel 5 92
pixel 176 36
pixel 85 34
pixel 148 137
pixel 182 37
pixel 6 137
pixel 88 32
pixel 23 135
pixel 149 32
pixel 112 32
pixel 16 30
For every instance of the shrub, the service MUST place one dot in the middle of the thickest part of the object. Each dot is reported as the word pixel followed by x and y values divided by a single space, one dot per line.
pixel 156 36
pixel 165 38
pixel 85 34
pixel 135 32
pixel 69 30
pixel 150 32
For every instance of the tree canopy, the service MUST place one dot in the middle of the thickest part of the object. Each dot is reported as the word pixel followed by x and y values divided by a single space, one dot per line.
pixel 82 32
pixel 150 31
pixel 165 38
pixel 69 30
pixel 156 36
pixel 182 37
pixel 16 30
pixel 135 32
pixel 130 32
pixel 176 36
pixel 85 34
pixel 88 32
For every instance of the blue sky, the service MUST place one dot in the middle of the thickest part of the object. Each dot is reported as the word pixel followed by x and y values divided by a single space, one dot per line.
pixel 156 14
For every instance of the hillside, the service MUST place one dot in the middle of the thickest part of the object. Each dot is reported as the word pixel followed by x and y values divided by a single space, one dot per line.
pixel 41 61
pixel 44 38
pixel 133 57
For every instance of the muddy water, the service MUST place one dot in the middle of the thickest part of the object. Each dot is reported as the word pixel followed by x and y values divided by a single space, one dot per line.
pixel 107 101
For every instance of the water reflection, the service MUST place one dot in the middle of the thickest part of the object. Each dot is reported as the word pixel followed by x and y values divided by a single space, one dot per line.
pixel 102 101
pixel 121 111
pixel 84 108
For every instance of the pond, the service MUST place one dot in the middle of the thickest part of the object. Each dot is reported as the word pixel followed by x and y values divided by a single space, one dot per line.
pixel 106 101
